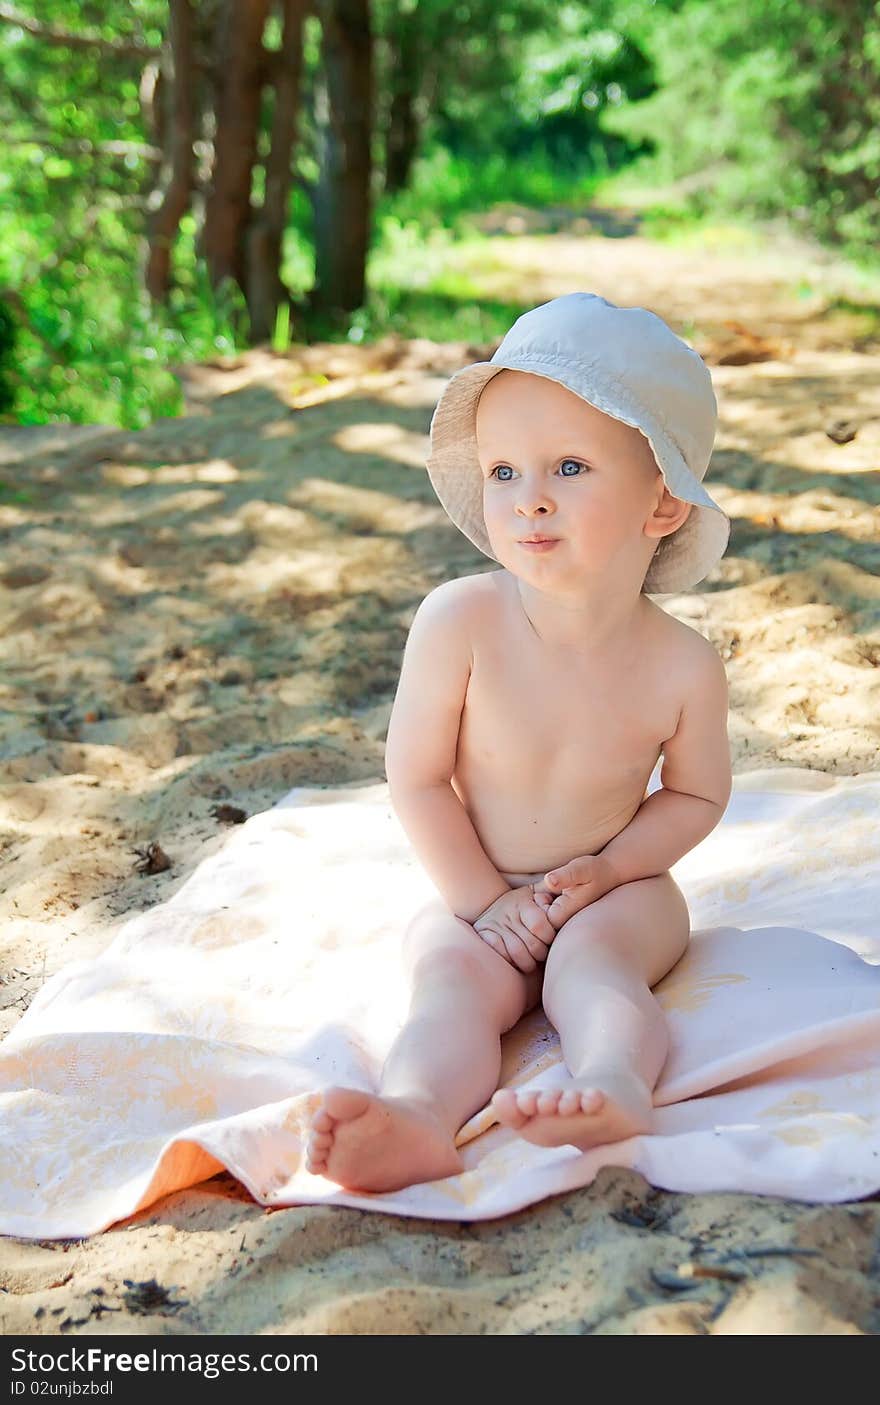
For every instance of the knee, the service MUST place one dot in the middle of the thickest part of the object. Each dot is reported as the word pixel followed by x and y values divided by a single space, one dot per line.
pixel 453 958
pixel 464 970
pixel 583 933
pixel 580 940
pixel 447 965
pixel 429 913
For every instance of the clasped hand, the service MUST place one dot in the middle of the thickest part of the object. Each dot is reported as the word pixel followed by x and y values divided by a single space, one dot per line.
pixel 522 923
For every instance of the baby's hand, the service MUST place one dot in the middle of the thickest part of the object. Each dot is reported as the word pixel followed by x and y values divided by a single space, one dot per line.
pixel 578 883
pixel 516 926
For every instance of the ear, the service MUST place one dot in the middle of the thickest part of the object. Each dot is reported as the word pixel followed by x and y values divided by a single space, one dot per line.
pixel 667 516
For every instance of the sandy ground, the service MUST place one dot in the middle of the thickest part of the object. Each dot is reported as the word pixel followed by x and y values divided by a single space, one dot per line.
pixel 210 611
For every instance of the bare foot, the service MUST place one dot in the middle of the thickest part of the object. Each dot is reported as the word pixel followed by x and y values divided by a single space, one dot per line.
pixel 582 1115
pixel 369 1143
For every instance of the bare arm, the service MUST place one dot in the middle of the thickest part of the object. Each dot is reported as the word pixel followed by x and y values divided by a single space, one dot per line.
pixel 420 753
pixel 441 833
pixel 695 777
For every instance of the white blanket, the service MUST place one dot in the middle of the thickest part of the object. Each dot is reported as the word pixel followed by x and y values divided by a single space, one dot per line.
pixel 202 1036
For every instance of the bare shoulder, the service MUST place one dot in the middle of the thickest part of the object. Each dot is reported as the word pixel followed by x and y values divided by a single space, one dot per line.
pixel 695 680
pixel 480 585
pixel 451 617
pixel 420 747
pixel 459 588
pixel 691 655
pixel 474 597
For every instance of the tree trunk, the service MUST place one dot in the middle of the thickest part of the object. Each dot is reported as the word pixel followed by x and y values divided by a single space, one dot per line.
pixel 343 116
pixel 404 130
pixel 180 130
pixel 240 72
pixel 404 127
pixel 265 290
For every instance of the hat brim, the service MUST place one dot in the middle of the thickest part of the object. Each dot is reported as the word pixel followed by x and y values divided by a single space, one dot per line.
pixel 681 560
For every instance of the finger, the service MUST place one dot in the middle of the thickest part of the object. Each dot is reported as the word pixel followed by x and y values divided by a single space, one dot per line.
pixel 534 941
pixel 536 928
pixel 546 932
pixel 571 902
pixel 536 948
pixel 510 948
pixel 562 909
pixel 493 940
pixel 577 871
pixel 518 953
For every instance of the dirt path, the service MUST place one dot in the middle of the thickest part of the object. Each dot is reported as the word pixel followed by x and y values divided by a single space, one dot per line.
pixel 213 610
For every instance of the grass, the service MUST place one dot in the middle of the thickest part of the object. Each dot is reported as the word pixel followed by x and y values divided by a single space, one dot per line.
pixel 425 269
pixel 426 272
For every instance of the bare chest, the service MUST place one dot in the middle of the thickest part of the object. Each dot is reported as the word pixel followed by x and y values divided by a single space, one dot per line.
pixel 565 725
pixel 555 750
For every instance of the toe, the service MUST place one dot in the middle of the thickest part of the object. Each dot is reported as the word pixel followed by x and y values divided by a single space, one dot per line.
pixel 548 1102
pixel 504 1103
pixel 342 1104
pixel 528 1104
pixel 592 1100
pixel 321 1141
pixel 322 1121
pixel 506 1107
pixel 570 1102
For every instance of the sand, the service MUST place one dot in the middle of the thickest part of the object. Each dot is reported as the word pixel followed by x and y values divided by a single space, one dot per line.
pixel 196 617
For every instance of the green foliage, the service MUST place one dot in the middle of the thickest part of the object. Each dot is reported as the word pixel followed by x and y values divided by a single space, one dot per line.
pixel 78 174
pixel 765 108
pixel 76 178
pixel 738 108
pixel 446 188
pixel 533 83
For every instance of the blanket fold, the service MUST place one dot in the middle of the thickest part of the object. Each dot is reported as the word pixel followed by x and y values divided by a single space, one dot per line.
pixel 201 1038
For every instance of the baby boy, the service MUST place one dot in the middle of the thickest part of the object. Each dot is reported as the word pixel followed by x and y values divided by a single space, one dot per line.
pixel 533 704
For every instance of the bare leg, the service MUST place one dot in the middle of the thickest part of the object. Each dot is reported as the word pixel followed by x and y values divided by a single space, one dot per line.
pixel 442 1067
pixel 613 1033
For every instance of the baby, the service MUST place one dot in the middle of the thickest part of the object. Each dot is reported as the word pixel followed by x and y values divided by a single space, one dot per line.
pixel 533 704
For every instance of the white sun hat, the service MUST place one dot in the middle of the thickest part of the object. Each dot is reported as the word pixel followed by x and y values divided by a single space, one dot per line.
pixel 626 362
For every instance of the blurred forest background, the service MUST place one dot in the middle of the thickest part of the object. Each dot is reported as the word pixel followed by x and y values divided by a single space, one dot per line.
pixel 182 179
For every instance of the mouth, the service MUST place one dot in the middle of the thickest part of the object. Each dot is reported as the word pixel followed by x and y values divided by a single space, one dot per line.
pixel 531 541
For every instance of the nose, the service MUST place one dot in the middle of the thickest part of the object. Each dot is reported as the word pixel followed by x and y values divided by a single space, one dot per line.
pixel 533 498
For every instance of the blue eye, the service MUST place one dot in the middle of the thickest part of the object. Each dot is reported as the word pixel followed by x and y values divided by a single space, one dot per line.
pixel 505 468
